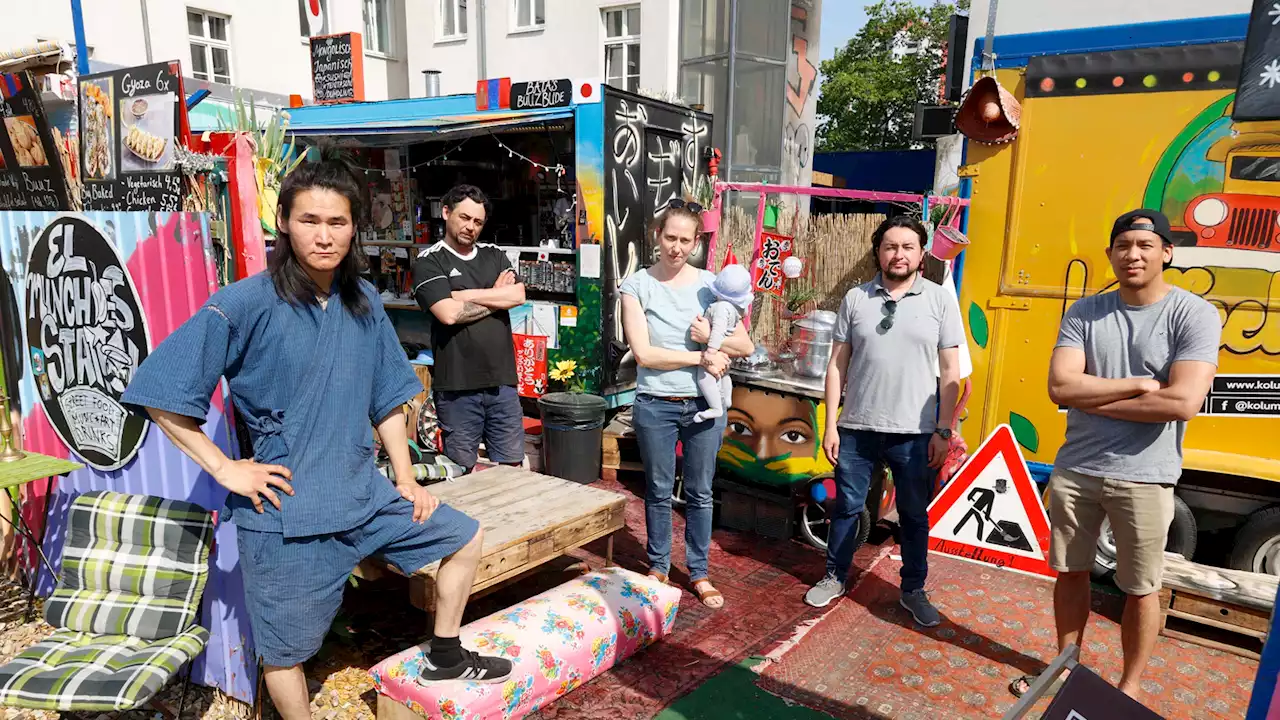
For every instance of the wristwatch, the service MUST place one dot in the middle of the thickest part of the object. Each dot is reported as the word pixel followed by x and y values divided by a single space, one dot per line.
pixel 944 433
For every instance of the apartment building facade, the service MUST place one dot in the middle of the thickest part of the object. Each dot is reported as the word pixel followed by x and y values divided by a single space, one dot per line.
pixel 261 45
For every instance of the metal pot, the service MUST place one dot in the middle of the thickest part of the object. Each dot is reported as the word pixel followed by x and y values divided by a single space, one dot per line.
pixel 811 340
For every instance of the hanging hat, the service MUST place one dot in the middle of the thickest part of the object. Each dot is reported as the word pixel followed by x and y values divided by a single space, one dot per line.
pixel 988 113
pixel 732 284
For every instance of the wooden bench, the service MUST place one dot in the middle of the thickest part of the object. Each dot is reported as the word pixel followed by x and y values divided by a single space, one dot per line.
pixel 528 519
pixel 1217 599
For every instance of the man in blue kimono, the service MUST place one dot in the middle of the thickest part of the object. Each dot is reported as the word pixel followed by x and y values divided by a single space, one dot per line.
pixel 309 370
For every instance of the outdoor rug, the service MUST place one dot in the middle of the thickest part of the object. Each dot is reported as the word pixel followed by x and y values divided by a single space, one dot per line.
pixel 867 659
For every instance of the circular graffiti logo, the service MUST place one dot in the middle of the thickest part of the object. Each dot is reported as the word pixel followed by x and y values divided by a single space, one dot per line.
pixel 86 335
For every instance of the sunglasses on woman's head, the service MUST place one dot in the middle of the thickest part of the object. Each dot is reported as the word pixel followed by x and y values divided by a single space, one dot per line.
pixel 890 308
pixel 677 203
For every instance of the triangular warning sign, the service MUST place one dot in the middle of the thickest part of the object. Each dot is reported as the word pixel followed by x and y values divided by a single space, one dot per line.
pixel 990 511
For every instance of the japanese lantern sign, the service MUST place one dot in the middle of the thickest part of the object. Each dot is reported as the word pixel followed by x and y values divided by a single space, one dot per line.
pixel 766 271
pixel 531 364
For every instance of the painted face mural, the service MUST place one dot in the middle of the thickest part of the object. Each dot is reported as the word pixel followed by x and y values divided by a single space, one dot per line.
pixel 774 439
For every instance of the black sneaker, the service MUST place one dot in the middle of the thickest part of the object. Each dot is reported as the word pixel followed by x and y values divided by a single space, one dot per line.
pixel 474 668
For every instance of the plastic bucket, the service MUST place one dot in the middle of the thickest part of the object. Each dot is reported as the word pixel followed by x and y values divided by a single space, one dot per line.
pixel 572 433
pixel 948 243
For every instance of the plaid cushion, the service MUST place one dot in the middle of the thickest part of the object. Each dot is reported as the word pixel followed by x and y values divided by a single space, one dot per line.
pixel 131 565
pixel 79 671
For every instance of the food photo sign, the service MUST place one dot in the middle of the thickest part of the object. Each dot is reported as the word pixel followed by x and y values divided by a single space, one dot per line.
pixel 130 122
pixel 31 174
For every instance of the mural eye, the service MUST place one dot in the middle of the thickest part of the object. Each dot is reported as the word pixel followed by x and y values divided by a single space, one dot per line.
pixel 738 428
pixel 794 437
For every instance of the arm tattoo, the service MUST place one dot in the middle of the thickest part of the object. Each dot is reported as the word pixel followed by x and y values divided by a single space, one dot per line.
pixel 472 312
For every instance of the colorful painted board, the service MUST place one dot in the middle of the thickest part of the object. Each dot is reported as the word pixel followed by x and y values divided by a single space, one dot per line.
pixel 153 271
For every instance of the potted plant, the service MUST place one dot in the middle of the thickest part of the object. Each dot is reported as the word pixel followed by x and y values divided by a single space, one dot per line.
pixel 572 425
pixel 800 302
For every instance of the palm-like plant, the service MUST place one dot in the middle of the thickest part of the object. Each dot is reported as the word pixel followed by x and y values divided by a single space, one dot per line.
pixel 274 151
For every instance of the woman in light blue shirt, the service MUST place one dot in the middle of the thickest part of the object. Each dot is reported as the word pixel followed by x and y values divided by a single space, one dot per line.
pixel 662 314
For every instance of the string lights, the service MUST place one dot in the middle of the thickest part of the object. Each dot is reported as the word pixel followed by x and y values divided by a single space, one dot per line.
pixel 557 169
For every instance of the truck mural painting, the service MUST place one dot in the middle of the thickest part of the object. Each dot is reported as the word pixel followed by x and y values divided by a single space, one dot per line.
pixel 1148 126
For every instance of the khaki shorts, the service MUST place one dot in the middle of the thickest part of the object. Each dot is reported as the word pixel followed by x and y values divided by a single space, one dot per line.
pixel 1140 515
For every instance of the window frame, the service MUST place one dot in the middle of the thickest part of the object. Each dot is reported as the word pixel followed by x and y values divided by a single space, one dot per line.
pixel 209 43
pixel 625 41
pixel 459 11
pixel 370 32
pixel 535 26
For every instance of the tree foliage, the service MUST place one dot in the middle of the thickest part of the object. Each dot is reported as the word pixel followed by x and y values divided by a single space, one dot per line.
pixel 868 97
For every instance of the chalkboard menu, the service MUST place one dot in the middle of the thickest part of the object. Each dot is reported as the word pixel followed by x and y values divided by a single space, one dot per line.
pixel 337 68
pixel 541 94
pixel 1258 94
pixel 129 131
pixel 31 173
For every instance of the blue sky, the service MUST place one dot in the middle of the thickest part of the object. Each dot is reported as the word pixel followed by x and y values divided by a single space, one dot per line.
pixel 841 20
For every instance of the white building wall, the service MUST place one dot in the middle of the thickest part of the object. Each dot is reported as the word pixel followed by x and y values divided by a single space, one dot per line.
pixel 1029 16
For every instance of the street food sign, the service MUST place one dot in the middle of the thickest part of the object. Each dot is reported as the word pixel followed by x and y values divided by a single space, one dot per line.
pixel 86 336
pixel 531 364
pixel 541 94
pixel 1258 92
pixel 337 68
pixel 766 271
pixel 31 173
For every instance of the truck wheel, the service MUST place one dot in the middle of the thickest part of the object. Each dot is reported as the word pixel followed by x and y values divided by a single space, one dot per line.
pixel 1182 540
pixel 1257 546
pixel 815 516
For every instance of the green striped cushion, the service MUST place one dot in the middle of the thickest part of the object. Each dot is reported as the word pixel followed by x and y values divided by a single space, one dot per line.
pixel 131 565
pixel 80 671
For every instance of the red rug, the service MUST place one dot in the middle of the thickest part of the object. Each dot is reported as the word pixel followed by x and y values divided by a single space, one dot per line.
pixel 867 659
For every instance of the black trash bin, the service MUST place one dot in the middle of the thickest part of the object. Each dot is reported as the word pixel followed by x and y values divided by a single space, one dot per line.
pixel 572 433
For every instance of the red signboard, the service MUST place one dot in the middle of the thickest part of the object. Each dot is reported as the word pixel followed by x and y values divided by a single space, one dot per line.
pixel 531 364
pixel 766 272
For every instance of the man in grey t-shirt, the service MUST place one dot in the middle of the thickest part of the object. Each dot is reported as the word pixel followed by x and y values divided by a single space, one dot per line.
pixel 897 342
pixel 1133 366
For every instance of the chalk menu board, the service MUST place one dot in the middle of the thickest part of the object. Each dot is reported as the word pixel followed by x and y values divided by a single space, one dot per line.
pixel 31 173
pixel 541 94
pixel 337 68
pixel 129 130
pixel 1258 94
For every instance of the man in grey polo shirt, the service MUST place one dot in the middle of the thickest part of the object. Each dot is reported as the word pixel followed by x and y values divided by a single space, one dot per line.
pixel 1133 366
pixel 900 335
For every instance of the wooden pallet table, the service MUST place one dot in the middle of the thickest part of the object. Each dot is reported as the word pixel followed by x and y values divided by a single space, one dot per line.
pixel 528 519
pixel 1221 602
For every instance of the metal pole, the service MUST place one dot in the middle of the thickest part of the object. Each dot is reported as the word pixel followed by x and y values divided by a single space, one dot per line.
pixel 733 69
pixel 482 72
pixel 82 50
pixel 146 30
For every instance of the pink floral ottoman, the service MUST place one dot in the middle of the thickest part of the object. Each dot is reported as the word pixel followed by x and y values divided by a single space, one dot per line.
pixel 557 641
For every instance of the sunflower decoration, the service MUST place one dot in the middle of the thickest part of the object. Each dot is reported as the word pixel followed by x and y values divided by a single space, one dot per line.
pixel 566 374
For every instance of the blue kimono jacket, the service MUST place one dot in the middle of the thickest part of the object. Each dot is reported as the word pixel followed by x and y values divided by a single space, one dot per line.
pixel 310 383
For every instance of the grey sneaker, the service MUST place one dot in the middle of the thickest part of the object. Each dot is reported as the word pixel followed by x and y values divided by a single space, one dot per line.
pixel 828 589
pixel 917 603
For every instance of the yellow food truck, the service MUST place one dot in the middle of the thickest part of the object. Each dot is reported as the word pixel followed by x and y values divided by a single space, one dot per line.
pixel 1113 119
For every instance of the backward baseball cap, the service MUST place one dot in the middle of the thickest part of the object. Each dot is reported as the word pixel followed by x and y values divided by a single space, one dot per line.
pixel 1150 220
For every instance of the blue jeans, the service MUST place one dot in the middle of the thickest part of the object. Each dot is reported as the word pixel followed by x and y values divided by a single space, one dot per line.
pixel 492 415
pixel 659 424
pixel 908 459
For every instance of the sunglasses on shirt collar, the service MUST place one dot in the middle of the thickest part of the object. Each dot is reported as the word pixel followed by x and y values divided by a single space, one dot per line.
pixel 890 309
pixel 677 203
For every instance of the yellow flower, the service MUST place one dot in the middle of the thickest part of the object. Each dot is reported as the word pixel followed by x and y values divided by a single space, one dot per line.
pixel 563 370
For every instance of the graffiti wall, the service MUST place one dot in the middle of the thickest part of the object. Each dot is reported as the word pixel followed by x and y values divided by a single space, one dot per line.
pixel 1104 133
pixel 654 151
pixel 84 298
pixel 799 116
pixel 773 438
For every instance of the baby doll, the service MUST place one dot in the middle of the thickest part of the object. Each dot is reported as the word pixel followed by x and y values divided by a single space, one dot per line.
pixel 733 291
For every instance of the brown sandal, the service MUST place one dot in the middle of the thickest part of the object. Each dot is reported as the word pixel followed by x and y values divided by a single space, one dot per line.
pixel 658 576
pixel 708 594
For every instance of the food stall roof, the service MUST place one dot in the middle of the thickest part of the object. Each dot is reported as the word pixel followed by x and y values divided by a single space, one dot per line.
pixel 451 114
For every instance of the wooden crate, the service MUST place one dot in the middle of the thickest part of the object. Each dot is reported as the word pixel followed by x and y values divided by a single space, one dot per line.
pixel 1228 610
pixel 619 450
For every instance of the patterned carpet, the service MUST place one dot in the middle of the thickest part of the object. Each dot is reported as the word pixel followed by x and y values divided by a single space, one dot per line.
pixel 867 659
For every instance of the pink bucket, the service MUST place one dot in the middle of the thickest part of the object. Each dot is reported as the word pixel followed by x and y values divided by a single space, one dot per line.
pixel 948 242
pixel 710 220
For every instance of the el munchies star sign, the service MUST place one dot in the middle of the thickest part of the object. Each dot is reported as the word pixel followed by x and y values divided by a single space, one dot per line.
pixel 990 512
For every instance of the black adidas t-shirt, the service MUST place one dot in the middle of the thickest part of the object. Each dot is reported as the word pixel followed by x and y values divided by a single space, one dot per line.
pixel 476 355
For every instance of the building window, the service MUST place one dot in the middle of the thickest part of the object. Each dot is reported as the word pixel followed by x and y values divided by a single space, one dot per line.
pixel 529 14
pixel 210 37
pixel 304 22
pixel 377 26
pixel 453 19
pixel 622 47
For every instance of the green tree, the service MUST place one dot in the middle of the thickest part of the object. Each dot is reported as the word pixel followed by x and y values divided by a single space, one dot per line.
pixel 868 96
